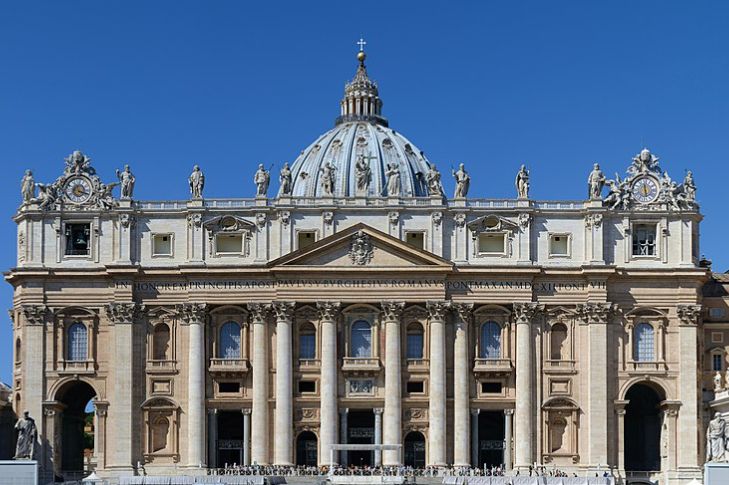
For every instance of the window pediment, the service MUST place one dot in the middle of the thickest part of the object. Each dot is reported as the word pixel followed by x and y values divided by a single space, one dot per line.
pixel 492 223
pixel 228 223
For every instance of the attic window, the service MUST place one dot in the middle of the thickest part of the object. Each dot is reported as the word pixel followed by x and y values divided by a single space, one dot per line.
pixel 416 239
pixel 229 243
pixel 492 243
pixel 78 239
pixel 306 238
pixel 559 245
pixel 162 245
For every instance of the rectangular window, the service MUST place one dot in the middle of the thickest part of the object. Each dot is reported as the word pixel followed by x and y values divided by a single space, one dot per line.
pixel 305 239
pixel 559 245
pixel 162 245
pixel 415 345
pixel 307 346
pixel 716 313
pixel 307 386
pixel 491 243
pixel 717 362
pixel 78 239
pixel 644 343
pixel 229 243
pixel 644 240
pixel 416 239
pixel 491 388
pixel 717 338
pixel 228 387
pixel 415 387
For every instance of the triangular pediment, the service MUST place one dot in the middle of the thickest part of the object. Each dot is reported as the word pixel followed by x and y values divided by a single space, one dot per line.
pixel 361 246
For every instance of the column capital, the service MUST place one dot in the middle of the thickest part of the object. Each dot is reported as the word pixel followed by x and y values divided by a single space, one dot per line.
pixel 246 411
pixel 595 313
pixel 524 312
pixel 284 310
pixel 343 410
pixel 212 411
pixel 258 311
pixel 328 310
pixel 475 412
pixel 392 310
pixel 121 313
pixel 437 309
pixel 464 311
pixel 688 314
pixel 377 411
pixel 509 411
pixel 191 312
pixel 35 314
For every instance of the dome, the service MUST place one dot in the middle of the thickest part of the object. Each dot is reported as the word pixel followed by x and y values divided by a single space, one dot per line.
pixel 360 138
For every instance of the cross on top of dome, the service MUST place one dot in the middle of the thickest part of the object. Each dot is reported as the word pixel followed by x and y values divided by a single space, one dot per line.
pixel 361 100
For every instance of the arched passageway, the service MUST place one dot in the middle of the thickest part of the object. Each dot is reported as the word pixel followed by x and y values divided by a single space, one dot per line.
pixel 415 449
pixel 643 428
pixel 306 449
pixel 77 426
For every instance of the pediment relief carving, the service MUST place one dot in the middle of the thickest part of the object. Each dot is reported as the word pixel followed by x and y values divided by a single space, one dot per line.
pixel 492 223
pixel 228 223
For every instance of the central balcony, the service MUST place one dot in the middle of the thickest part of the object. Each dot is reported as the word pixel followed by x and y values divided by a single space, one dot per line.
pixel 492 366
pixel 228 366
pixel 76 367
pixel 360 365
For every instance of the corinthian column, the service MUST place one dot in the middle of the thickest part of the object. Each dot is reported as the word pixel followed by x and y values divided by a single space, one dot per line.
pixel 461 397
pixel 193 316
pixel 121 414
pixel 596 316
pixel 524 436
pixel 437 390
pixel 283 426
pixel 259 431
pixel 392 430
pixel 328 312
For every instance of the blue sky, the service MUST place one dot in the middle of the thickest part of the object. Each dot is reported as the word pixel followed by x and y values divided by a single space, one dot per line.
pixel 227 84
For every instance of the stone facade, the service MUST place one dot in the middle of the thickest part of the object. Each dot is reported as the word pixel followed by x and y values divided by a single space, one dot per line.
pixel 263 330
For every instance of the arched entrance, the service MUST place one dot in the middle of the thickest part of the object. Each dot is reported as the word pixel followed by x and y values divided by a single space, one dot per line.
pixel 415 449
pixel 76 427
pixel 306 449
pixel 643 429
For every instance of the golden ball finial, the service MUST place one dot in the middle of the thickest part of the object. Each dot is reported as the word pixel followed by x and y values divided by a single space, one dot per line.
pixel 361 56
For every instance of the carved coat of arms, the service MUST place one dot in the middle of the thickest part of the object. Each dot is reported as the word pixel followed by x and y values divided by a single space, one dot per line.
pixel 361 249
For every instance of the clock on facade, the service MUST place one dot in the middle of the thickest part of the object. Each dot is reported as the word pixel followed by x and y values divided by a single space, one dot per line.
pixel 645 189
pixel 78 189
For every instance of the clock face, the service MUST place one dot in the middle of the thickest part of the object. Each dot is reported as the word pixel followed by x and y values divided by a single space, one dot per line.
pixel 78 190
pixel 645 190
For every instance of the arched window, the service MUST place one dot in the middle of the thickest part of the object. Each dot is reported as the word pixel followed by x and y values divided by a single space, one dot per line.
pixel 361 339
pixel 229 347
pixel 490 340
pixel 77 342
pixel 161 342
pixel 558 342
pixel 415 341
pixel 644 343
pixel 307 342
pixel 160 430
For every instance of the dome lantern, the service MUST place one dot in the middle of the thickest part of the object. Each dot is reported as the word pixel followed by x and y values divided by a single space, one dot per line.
pixel 361 100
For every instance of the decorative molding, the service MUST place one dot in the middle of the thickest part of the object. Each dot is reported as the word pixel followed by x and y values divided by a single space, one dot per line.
pixel 416 414
pixel 194 219
pixel 127 220
pixel 523 220
pixel 393 217
pixel 460 219
pixel 21 247
pixel 284 310
pixel 525 312
pixel 593 220
pixel 689 314
pixel 437 218
pixel 120 313
pixel 464 311
pixel 261 219
pixel 258 312
pixel 328 310
pixel 392 310
pixel 361 249
pixel 285 217
pixel 437 309
pixel 327 217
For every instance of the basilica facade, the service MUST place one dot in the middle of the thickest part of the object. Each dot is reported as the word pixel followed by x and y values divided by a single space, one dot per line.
pixel 360 304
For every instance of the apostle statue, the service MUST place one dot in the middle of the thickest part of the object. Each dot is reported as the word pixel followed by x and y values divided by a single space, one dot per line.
pixel 362 174
pixel 27 187
pixel 689 187
pixel 393 180
pixel 27 435
pixel 522 183
pixel 284 180
pixel 327 178
pixel 432 179
pixel 262 178
pixel 716 439
pixel 197 182
pixel 126 179
pixel 463 181
pixel 595 182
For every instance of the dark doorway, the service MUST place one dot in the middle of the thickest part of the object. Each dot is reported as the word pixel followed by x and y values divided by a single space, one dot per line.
pixel 642 429
pixel 361 430
pixel 306 449
pixel 490 438
pixel 415 449
pixel 230 438
pixel 76 426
